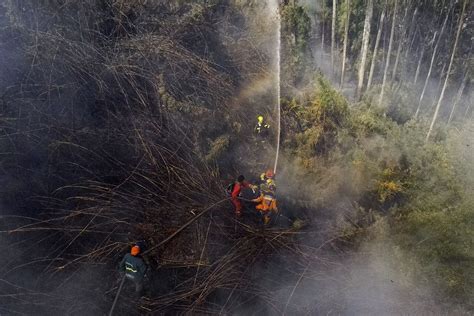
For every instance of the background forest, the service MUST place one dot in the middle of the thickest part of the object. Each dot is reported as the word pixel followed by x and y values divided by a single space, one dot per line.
pixel 124 120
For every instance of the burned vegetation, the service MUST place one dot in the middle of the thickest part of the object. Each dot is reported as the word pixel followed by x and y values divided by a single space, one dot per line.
pixel 124 122
pixel 109 118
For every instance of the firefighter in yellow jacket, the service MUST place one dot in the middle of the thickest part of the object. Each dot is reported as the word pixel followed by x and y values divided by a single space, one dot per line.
pixel 266 203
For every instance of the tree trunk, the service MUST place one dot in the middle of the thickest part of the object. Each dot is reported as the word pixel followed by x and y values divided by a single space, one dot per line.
pixel 322 29
pixel 412 32
pixel 333 32
pixel 400 45
pixel 433 57
pixel 376 47
pixel 467 110
pixel 435 115
pixel 417 73
pixel 411 39
pixel 384 46
pixel 438 87
pixel 346 39
pixel 458 95
pixel 365 45
pixel 387 63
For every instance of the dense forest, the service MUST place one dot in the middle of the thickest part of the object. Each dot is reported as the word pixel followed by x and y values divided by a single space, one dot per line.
pixel 125 120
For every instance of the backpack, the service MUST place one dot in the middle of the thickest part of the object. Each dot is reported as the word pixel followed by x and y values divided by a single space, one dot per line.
pixel 229 189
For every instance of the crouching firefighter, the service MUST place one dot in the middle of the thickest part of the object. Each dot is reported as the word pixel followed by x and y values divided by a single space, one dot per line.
pixel 266 204
pixel 134 268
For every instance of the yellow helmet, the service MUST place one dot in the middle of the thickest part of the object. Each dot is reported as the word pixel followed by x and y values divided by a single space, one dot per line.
pixel 260 118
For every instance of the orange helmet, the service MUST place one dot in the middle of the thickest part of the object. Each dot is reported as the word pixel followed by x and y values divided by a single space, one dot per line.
pixel 135 250
pixel 269 173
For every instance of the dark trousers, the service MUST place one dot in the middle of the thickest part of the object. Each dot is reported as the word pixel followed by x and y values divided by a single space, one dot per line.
pixel 137 281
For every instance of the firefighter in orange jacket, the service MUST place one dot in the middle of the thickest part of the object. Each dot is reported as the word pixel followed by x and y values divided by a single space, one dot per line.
pixel 266 203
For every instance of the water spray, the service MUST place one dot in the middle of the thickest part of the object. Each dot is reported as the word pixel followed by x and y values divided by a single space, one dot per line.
pixel 274 5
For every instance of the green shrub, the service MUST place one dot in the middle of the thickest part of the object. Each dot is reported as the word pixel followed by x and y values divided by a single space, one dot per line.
pixel 320 119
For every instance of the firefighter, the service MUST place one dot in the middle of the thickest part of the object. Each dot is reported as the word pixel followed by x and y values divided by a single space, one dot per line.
pixel 266 203
pixel 266 179
pixel 134 268
pixel 236 190
pixel 262 128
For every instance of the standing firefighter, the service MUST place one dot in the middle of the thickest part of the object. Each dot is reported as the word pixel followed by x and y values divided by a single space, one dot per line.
pixel 262 128
pixel 235 190
pixel 266 203
pixel 134 268
pixel 266 179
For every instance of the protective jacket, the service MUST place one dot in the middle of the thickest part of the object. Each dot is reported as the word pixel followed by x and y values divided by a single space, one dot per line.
pixel 267 202
pixel 235 195
pixel 238 188
pixel 264 182
pixel 133 266
pixel 262 128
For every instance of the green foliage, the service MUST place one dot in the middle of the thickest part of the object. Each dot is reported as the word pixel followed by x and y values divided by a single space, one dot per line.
pixel 356 27
pixel 436 225
pixel 367 121
pixel 297 25
pixel 296 28
pixel 319 120
pixel 424 190
pixel 443 241
pixel 389 186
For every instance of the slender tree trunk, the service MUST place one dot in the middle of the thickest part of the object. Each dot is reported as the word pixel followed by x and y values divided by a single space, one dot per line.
pixel 417 73
pixel 435 115
pixel 410 39
pixel 438 87
pixel 333 32
pixel 365 45
pixel 458 95
pixel 387 63
pixel 322 29
pixel 294 31
pixel 411 32
pixel 433 57
pixel 397 59
pixel 384 47
pixel 467 109
pixel 400 45
pixel 346 39
pixel 376 48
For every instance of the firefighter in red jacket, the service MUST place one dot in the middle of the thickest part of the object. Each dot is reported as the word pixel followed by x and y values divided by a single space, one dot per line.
pixel 236 190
